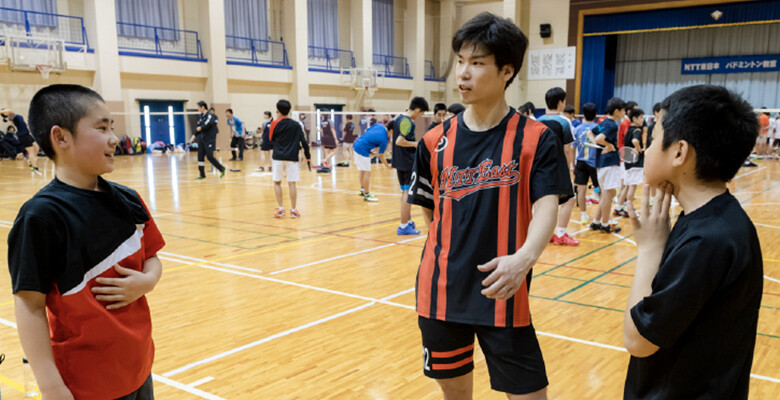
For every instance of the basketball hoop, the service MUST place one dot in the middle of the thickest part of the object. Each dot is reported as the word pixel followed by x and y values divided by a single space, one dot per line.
pixel 44 70
pixel 370 90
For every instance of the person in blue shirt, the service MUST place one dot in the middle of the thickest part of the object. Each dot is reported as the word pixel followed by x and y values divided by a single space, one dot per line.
pixel 556 102
pixel 376 136
pixel 237 135
pixel 608 162
pixel 585 167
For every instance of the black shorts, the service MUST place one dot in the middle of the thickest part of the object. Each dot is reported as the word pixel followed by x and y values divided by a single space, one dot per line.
pixel 26 141
pixel 583 172
pixel 145 392
pixel 776 143
pixel 513 356
pixel 404 179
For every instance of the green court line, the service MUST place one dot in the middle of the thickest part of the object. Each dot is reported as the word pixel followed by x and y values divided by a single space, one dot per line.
pixel 584 280
pixel 771 308
pixel 572 290
pixel 576 303
pixel 582 256
pixel 223 227
pixel 768 335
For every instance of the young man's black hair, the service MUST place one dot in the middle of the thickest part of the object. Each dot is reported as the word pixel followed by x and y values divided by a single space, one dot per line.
pixel 60 105
pixel 455 108
pixel 615 103
pixel 589 111
pixel 553 97
pixel 720 126
pixel 419 103
pixel 569 109
pixel 528 107
pixel 656 107
pixel 203 104
pixel 439 107
pixel 267 113
pixel 495 35
pixel 635 112
pixel 283 106
pixel 230 110
pixel 630 105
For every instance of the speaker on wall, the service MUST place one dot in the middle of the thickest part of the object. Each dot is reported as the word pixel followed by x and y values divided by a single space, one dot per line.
pixel 545 30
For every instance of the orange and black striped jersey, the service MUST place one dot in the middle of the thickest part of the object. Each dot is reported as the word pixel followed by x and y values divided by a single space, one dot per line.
pixel 481 187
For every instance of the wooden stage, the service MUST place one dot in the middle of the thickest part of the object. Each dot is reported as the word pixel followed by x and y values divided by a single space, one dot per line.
pixel 322 307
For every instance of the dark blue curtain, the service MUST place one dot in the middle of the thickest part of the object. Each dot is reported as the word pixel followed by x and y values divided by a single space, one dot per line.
pixel 598 70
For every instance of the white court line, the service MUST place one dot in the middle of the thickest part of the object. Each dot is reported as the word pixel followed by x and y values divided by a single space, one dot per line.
pixel 399 294
pixel 8 323
pixel 331 259
pixel 761 204
pixel 186 388
pixel 206 261
pixel 318 186
pixel 772 279
pixel 748 173
pixel 580 231
pixel 765 378
pixel 624 238
pixel 588 342
pixel 767 226
pixel 264 340
pixel 201 381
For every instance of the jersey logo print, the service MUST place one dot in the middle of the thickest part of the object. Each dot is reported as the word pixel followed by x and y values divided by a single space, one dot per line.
pixel 457 184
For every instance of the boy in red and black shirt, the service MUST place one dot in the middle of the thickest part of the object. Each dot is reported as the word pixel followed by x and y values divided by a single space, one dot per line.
pixel 478 177
pixel 82 255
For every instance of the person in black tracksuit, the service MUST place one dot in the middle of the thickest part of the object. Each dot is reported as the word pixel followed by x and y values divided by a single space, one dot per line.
pixel 206 134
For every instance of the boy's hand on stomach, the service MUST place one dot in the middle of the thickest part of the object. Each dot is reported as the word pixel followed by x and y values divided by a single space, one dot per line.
pixel 124 290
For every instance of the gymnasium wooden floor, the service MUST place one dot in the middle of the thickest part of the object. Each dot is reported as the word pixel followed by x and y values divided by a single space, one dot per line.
pixel 252 307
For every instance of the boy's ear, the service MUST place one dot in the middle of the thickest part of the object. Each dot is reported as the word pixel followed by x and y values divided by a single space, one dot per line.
pixel 60 138
pixel 507 70
pixel 683 152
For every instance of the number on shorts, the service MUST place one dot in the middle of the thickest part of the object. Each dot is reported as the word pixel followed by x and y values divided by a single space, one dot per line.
pixel 412 182
pixel 426 359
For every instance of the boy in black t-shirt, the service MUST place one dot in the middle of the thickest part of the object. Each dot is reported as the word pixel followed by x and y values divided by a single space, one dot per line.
pixel 439 113
pixel 691 318
pixel 82 254
pixel 288 139
pixel 634 171
pixel 489 182
pixel 404 146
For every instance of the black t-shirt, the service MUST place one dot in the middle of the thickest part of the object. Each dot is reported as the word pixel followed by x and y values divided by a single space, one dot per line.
pixel 433 125
pixel 480 186
pixel 403 157
pixel 288 139
pixel 703 310
pixel 649 139
pixel 634 132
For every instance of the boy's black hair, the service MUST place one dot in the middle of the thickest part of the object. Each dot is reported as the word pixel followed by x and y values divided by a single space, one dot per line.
pixel 569 109
pixel 439 107
pixel 656 107
pixel 498 36
pixel 635 113
pixel 60 105
pixel 349 116
pixel 614 104
pixel 283 106
pixel 553 97
pixel 268 113
pixel 589 111
pixel 203 104
pixel 230 110
pixel 719 124
pixel 527 107
pixel 631 104
pixel 419 103
pixel 456 108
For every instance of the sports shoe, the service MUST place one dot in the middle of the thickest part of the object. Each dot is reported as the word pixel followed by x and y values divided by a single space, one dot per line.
pixel 279 213
pixel 409 230
pixel 370 197
pixel 585 220
pixel 323 170
pixel 261 169
pixel 624 213
pixel 611 229
pixel 565 240
pixel 362 193
pixel 295 214
pixel 616 212
pixel 200 177
pixel 552 238
pixel 240 159
pixel 595 227
pixel 411 223
pixel 222 174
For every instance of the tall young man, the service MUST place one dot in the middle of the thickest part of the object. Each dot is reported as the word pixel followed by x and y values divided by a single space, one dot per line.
pixel 478 176
pixel 206 134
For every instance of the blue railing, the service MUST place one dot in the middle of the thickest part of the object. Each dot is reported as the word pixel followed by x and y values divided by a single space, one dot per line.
pixel 392 66
pixel 256 52
pixel 158 42
pixel 430 73
pixel 325 59
pixel 70 29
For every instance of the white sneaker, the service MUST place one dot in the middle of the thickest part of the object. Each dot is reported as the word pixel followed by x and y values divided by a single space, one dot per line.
pixel 370 197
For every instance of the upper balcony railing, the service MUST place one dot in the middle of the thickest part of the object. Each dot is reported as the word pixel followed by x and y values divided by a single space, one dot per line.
pixel 430 73
pixel 69 29
pixel 392 66
pixel 256 52
pixel 325 59
pixel 158 42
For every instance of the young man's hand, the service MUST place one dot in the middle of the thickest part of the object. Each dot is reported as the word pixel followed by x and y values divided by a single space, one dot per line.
pixel 609 148
pixel 652 228
pixel 125 290
pixel 508 274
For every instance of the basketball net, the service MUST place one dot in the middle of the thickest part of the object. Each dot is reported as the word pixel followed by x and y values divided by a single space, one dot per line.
pixel 370 90
pixel 44 70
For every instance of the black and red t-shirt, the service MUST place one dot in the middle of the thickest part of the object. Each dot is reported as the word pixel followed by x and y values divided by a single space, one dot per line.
pixel 64 238
pixel 481 187
pixel 288 140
